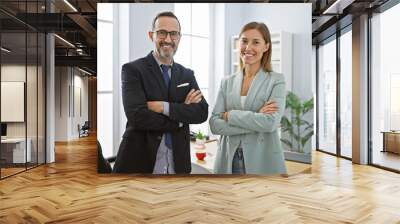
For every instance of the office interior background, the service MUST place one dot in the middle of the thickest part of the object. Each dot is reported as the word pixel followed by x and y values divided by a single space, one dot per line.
pixel 48 81
pixel 331 66
pixel 208 46
pixel 357 84
pixel 48 88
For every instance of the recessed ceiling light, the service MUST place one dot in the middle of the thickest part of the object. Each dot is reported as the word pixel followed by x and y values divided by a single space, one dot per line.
pixel 86 72
pixel 338 6
pixel 5 50
pixel 70 5
pixel 64 40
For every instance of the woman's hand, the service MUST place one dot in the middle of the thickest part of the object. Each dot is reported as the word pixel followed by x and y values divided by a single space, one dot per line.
pixel 224 116
pixel 269 107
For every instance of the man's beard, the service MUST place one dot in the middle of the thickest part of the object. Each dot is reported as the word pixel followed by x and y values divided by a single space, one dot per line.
pixel 168 54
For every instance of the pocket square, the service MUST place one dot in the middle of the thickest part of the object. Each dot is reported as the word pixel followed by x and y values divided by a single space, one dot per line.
pixel 182 85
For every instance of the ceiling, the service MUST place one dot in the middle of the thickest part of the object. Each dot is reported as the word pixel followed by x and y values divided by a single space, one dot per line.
pixel 75 21
pixel 75 42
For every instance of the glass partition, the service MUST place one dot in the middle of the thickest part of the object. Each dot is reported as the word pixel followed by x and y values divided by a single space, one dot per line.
pixel 13 94
pixel 327 97
pixel 22 87
pixel 346 94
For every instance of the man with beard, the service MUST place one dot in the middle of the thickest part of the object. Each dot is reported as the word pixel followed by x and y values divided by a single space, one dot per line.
pixel 161 98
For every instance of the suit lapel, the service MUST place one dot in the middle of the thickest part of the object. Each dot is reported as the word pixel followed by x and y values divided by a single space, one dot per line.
pixel 156 72
pixel 255 87
pixel 237 87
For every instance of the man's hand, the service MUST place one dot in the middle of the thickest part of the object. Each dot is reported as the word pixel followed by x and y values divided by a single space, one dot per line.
pixel 156 106
pixel 269 107
pixel 193 97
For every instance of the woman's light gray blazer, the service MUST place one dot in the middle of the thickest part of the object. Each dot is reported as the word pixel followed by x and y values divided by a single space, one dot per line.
pixel 257 132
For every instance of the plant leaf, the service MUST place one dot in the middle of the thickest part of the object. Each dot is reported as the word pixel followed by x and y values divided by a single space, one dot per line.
pixel 297 137
pixel 287 142
pixel 292 101
pixel 306 137
pixel 311 126
pixel 285 123
pixel 304 122
pixel 308 105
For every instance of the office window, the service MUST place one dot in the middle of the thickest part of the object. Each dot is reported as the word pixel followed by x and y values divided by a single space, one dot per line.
pixel 105 49
pixel 385 87
pixel 346 94
pixel 327 97
pixel 194 47
pixel 105 76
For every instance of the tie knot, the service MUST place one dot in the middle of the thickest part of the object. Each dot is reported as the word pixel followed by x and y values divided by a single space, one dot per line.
pixel 165 68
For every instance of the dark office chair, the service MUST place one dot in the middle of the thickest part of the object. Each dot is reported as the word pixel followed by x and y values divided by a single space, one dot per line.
pixel 103 166
pixel 84 130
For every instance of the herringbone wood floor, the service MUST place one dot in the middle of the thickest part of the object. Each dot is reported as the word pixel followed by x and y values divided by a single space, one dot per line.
pixel 70 191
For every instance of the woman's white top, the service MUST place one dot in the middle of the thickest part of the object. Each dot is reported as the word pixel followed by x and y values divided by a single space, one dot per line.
pixel 242 99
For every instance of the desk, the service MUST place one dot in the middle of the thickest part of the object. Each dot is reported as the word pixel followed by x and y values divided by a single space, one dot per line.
pixel 206 166
pixel 391 141
pixel 13 150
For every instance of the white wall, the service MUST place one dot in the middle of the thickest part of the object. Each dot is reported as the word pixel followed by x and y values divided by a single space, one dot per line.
pixel 80 82
pixel 68 81
pixel 61 103
pixel 234 20
pixel 220 64
pixel 141 18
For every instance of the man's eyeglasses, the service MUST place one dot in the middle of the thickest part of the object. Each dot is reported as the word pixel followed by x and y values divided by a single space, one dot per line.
pixel 162 34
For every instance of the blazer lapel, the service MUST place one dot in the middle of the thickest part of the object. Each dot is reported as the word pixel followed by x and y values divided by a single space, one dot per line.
pixel 156 72
pixel 255 87
pixel 236 89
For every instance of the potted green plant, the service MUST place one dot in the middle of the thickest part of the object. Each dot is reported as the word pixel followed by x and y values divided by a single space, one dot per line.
pixel 200 146
pixel 299 130
pixel 200 138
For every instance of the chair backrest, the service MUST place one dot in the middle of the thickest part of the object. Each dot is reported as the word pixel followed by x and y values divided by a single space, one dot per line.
pixel 103 166
pixel 86 125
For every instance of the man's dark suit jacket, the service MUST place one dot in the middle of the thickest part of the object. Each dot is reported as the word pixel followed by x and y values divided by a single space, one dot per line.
pixel 142 81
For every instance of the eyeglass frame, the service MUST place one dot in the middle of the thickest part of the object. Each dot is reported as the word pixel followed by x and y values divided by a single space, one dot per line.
pixel 167 33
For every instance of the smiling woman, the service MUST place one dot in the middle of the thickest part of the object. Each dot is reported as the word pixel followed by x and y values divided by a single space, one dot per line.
pixel 248 110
